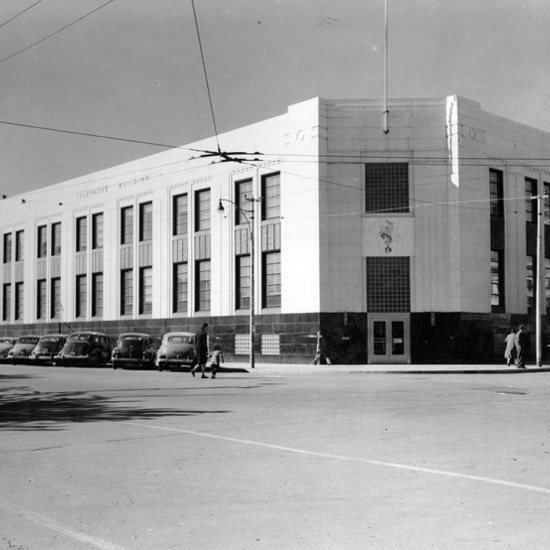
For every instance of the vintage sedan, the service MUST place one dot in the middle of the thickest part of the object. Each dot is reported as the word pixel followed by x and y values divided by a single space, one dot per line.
pixel 21 351
pixel 177 349
pixel 6 343
pixel 85 348
pixel 134 349
pixel 47 348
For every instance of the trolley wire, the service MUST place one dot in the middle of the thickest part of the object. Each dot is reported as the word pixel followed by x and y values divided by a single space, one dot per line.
pixel 54 33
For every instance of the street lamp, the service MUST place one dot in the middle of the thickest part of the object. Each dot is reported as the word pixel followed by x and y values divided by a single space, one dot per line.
pixel 249 217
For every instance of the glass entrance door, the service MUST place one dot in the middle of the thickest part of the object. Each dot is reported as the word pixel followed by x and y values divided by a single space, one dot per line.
pixel 389 340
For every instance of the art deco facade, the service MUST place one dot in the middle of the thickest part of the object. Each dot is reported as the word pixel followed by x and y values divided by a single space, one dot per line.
pixel 414 245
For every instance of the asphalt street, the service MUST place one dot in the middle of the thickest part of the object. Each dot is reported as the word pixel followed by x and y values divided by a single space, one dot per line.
pixel 271 459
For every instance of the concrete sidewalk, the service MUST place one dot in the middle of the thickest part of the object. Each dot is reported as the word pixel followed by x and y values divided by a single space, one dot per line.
pixel 276 369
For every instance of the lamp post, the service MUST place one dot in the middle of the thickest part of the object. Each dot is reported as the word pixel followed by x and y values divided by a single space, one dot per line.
pixel 249 217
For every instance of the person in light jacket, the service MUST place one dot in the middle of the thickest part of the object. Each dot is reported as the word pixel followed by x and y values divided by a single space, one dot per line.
pixel 510 351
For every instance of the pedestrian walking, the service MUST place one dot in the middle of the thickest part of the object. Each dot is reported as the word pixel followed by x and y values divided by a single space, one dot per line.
pixel 215 359
pixel 521 347
pixel 201 350
pixel 510 351
pixel 319 352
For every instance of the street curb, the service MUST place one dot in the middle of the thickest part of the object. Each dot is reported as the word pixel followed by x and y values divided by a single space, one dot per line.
pixel 297 370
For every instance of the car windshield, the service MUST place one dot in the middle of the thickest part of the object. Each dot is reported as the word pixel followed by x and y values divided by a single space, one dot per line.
pixel 28 340
pixel 180 339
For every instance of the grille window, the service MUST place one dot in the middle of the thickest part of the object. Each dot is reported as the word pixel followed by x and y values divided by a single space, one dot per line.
pixel 271 344
pixel 387 187
pixel 388 284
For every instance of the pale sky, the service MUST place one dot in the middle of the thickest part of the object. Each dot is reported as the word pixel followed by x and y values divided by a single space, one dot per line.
pixel 133 69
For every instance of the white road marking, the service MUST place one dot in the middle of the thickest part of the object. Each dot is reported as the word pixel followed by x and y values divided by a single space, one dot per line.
pixel 494 481
pixel 59 527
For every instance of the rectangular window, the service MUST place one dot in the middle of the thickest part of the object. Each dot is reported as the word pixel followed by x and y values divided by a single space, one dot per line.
pixel 243 280
pixel 55 312
pixel 126 292
pixel 530 200
pixel 271 279
pixel 42 245
pixel 81 234
pixel 146 221
pixel 530 269
pixel 388 284
pixel 146 290
pixel 497 280
pixel 243 189
pixel 202 210
pixel 271 196
pixel 81 290
pixel 7 248
pixel 496 193
pixel 6 302
pixel 41 299
pixel 19 246
pixel 547 282
pixel 56 239
pixel 19 301
pixel 97 294
pixel 180 215
pixel 180 288
pixel 127 225
pixel 387 187
pixel 202 289
pixel 97 231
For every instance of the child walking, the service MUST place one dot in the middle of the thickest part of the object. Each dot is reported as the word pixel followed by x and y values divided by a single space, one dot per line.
pixel 215 359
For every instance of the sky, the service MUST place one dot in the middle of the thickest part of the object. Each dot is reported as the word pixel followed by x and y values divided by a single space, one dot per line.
pixel 132 69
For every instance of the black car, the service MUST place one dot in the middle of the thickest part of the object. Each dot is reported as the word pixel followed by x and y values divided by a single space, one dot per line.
pixel 134 349
pixel 86 348
pixel 47 348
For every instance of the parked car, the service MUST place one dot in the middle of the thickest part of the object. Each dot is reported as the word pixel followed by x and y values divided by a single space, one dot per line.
pixel 85 348
pixel 6 343
pixel 176 350
pixel 134 349
pixel 21 351
pixel 47 348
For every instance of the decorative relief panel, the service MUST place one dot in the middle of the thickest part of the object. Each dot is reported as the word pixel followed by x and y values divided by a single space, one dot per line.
pixel 202 247
pixel 19 271
pixel 97 261
pixel 271 236
pixel 145 252
pixel 127 257
pixel 81 263
pixel 242 242
pixel 388 236
pixel 55 266
pixel 180 249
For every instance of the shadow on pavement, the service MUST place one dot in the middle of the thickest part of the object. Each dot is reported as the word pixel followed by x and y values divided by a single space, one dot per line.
pixel 49 411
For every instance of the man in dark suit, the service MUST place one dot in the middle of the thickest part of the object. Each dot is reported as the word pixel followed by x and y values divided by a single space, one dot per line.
pixel 522 341
pixel 201 349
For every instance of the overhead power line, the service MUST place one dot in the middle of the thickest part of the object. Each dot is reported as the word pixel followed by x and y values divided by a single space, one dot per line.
pixel 20 13
pixel 56 32
pixel 88 134
pixel 205 74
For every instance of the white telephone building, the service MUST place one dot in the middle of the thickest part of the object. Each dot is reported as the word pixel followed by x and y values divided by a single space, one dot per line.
pixel 416 245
